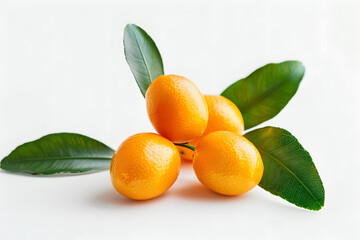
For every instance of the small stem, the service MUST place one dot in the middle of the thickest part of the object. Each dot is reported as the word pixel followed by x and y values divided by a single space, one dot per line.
pixel 185 145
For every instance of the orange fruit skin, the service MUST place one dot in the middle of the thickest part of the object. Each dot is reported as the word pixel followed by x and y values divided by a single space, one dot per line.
pixel 185 153
pixel 176 108
pixel 227 163
pixel 144 166
pixel 223 116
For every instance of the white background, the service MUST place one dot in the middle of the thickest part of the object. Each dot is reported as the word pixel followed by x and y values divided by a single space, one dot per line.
pixel 62 68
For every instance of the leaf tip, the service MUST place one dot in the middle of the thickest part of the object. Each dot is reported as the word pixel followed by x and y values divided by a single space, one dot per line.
pixel 298 66
pixel 131 25
pixel 317 208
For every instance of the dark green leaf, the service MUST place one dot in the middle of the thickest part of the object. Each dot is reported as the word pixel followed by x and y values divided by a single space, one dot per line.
pixel 59 153
pixel 289 171
pixel 265 92
pixel 142 56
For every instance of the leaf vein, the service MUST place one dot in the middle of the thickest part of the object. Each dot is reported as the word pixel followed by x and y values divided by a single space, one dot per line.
pixel 292 173
pixel 15 161
pixel 142 56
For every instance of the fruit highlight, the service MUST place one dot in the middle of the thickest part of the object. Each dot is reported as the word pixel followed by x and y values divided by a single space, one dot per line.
pixel 227 163
pixel 223 116
pixel 144 166
pixel 176 108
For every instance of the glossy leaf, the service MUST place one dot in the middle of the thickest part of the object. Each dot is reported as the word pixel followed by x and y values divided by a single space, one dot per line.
pixel 143 56
pixel 59 153
pixel 265 92
pixel 289 171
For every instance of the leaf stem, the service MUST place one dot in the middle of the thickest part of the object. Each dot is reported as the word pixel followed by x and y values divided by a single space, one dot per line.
pixel 185 145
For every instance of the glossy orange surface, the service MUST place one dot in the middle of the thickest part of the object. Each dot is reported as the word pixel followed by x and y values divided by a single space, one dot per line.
pixel 227 163
pixel 144 166
pixel 223 116
pixel 176 108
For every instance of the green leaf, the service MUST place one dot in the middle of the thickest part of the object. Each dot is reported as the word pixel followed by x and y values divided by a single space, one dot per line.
pixel 289 171
pixel 265 92
pixel 59 153
pixel 142 56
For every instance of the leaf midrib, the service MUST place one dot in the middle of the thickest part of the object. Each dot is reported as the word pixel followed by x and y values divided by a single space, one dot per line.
pixel 142 56
pixel 292 173
pixel 258 100
pixel 15 161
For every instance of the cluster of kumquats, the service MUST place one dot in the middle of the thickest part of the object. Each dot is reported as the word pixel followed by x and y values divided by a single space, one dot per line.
pixel 203 128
